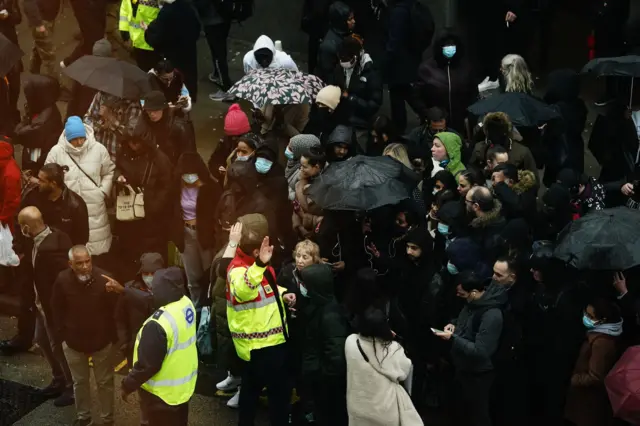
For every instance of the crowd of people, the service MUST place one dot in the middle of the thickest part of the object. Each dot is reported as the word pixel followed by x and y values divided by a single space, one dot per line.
pixel 450 301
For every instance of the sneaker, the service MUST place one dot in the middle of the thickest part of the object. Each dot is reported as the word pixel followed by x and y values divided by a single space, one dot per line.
pixel 231 383
pixel 234 402
pixel 65 399
pixel 221 96
pixel 53 390
pixel 603 101
pixel 81 422
pixel 215 78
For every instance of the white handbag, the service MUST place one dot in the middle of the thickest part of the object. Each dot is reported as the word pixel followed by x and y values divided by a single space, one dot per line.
pixel 130 203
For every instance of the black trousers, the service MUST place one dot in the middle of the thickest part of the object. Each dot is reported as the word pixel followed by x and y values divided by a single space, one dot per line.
pixel 330 398
pixel 92 20
pixel 27 316
pixel 313 47
pixel 473 393
pixel 398 95
pixel 146 59
pixel 217 36
pixel 267 367
pixel 159 413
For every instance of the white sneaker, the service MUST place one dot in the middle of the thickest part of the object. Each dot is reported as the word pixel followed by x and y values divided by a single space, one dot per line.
pixel 234 402
pixel 62 65
pixel 231 383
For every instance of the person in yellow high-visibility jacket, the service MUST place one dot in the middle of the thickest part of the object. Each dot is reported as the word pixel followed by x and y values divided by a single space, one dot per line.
pixel 257 322
pixel 165 358
pixel 135 17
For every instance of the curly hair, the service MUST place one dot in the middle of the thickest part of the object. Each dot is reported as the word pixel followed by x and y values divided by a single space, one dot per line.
pixel 516 74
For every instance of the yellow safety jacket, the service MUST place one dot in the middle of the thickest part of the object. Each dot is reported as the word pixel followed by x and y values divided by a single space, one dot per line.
pixel 133 24
pixel 176 380
pixel 252 307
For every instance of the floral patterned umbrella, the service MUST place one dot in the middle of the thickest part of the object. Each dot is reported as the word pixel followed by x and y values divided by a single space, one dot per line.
pixel 270 86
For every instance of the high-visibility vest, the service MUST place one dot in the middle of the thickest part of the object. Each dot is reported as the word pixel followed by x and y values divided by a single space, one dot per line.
pixel 176 380
pixel 252 310
pixel 147 12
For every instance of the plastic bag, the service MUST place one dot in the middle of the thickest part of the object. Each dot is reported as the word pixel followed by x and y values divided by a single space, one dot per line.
pixel 7 256
pixel 203 336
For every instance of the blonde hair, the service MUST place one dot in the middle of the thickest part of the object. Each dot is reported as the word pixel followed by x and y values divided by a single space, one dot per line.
pixel 516 74
pixel 310 247
pixel 399 152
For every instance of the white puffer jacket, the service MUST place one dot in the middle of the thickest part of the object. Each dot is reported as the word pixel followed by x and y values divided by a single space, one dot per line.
pixel 94 159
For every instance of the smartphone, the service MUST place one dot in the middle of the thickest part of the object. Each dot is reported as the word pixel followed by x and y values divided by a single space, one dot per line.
pixel 435 330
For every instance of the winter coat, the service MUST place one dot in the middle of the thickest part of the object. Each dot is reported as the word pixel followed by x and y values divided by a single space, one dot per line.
pixel 364 93
pixel 315 17
pixel 208 196
pixel 84 314
pixel 520 199
pixel 173 134
pixel 43 125
pixel 321 122
pixel 274 185
pixel 375 396
pixel 280 59
pixel 445 83
pixel 68 213
pixel 587 401
pixel 149 234
pixel 134 306
pixel 10 185
pixel 40 10
pixel 486 231
pixel 332 41
pixel 93 159
pixel 519 155
pixel 207 13
pixel 472 349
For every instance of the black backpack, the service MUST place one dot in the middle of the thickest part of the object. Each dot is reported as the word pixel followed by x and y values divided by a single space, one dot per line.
pixel 510 343
pixel 422 26
pixel 234 10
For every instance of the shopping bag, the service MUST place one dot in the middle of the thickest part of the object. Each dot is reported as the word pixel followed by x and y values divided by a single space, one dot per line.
pixel 203 336
pixel 7 256
pixel 138 205
pixel 125 204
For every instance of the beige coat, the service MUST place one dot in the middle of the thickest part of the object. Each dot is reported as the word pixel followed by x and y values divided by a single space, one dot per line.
pixel 375 396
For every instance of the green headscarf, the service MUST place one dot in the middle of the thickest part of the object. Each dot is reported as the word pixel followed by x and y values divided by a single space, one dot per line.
pixel 453 145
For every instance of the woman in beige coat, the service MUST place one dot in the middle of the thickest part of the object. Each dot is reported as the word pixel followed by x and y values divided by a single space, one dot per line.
pixel 375 367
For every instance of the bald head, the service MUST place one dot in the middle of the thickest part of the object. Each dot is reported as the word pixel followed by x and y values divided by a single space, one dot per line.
pixel 31 222
pixel 480 200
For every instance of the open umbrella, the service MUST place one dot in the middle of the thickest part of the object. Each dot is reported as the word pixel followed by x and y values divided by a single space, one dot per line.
pixel 10 54
pixel 362 183
pixel 523 110
pixel 619 66
pixel 623 386
pixel 607 240
pixel 277 86
pixel 111 76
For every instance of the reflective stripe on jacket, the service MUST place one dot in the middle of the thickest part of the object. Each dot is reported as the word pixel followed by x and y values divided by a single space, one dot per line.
pixel 176 380
pixel 146 12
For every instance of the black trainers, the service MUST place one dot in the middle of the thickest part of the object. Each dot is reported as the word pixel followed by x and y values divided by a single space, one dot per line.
pixel 65 399
pixel 12 347
pixel 54 390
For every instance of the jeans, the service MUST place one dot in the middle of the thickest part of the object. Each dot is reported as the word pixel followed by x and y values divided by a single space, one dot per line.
pixel 103 373
pixel 43 52
pixel 267 367
pixel 217 36
pixel 52 349
pixel 196 262
pixel 473 393
pixel 92 20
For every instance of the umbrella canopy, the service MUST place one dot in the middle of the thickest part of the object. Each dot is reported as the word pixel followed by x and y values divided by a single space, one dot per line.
pixel 606 240
pixel 523 110
pixel 277 86
pixel 621 66
pixel 623 386
pixel 10 54
pixel 111 76
pixel 362 183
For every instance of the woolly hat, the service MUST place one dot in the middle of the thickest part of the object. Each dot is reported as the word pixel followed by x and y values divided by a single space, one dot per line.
pixel 150 263
pixel 300 143
pixel 74 128
pixel 329 96
pixel 464 253
pixel 102 48
pixel 236 122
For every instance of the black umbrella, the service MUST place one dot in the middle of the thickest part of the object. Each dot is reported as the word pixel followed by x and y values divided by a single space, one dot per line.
pixel 523 110
pixel 362 183
pixel 10 54
pixel 111 76
pixel 604 240
pixel 619 66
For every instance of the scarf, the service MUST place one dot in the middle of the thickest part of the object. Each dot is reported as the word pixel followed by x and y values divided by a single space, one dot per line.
pixel 612 329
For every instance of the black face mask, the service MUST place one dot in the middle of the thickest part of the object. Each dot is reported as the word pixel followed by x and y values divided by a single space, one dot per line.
pixel 263 57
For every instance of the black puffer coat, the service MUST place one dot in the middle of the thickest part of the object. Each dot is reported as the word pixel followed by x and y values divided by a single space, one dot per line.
pixel 41 127
pixel 332 41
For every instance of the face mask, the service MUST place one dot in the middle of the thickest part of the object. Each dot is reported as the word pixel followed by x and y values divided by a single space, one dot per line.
pixel 303 291
pixel 452 268
pixel 348 65
pixel 444 163
pixel 24 232
pixel 84 278
pixel 243 157
pixel 148 279
pixel 190 178
pixel 449 51
pixel 263 165
pixel 588 322
pixel 289 154
pixel 443 229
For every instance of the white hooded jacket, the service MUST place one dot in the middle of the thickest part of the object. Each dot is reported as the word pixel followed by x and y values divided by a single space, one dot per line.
pixel 94 159
pixel 280 59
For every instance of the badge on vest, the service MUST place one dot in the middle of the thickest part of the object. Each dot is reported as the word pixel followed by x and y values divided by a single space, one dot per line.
pixel 267 289
pixel 158 314
pixel 189 316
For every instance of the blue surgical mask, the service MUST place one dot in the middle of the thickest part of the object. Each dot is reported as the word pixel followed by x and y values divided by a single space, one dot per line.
pixel 190 178
pixel 453 270
pixel 263 165
pixel 289 154
pixel 443 229
pixel 243 157
pixel 449 51
pixel 148 279
pixel 588 322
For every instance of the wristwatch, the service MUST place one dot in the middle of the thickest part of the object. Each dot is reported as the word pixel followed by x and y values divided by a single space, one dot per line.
pixel 233 244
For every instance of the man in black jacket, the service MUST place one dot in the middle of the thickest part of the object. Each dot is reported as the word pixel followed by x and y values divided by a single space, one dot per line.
pixel 516 190
pixel 47 256
pixel 341 23
pixel 487 221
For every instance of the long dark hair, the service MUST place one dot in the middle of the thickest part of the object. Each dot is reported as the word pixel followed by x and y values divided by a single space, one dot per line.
pixel 374 325
pixel 192 162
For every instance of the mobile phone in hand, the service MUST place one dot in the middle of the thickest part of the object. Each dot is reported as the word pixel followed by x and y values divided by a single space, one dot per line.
pixel 435 330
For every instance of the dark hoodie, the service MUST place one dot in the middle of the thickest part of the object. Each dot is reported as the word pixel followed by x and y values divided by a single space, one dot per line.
pixel 332 41
pixel 341 135
pixel 445 83
pixel 168 287
pixel 42 125
pixel 327 326
pixel 471 350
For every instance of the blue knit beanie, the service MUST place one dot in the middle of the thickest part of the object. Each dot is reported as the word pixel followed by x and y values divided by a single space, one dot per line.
pixel 74 128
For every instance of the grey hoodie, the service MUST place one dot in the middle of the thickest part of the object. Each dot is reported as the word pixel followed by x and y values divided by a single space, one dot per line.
pixel 471 351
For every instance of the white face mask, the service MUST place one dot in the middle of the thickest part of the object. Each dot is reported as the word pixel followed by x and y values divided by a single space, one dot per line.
pixel 148 279
pixel 83 278
pixel 348 65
